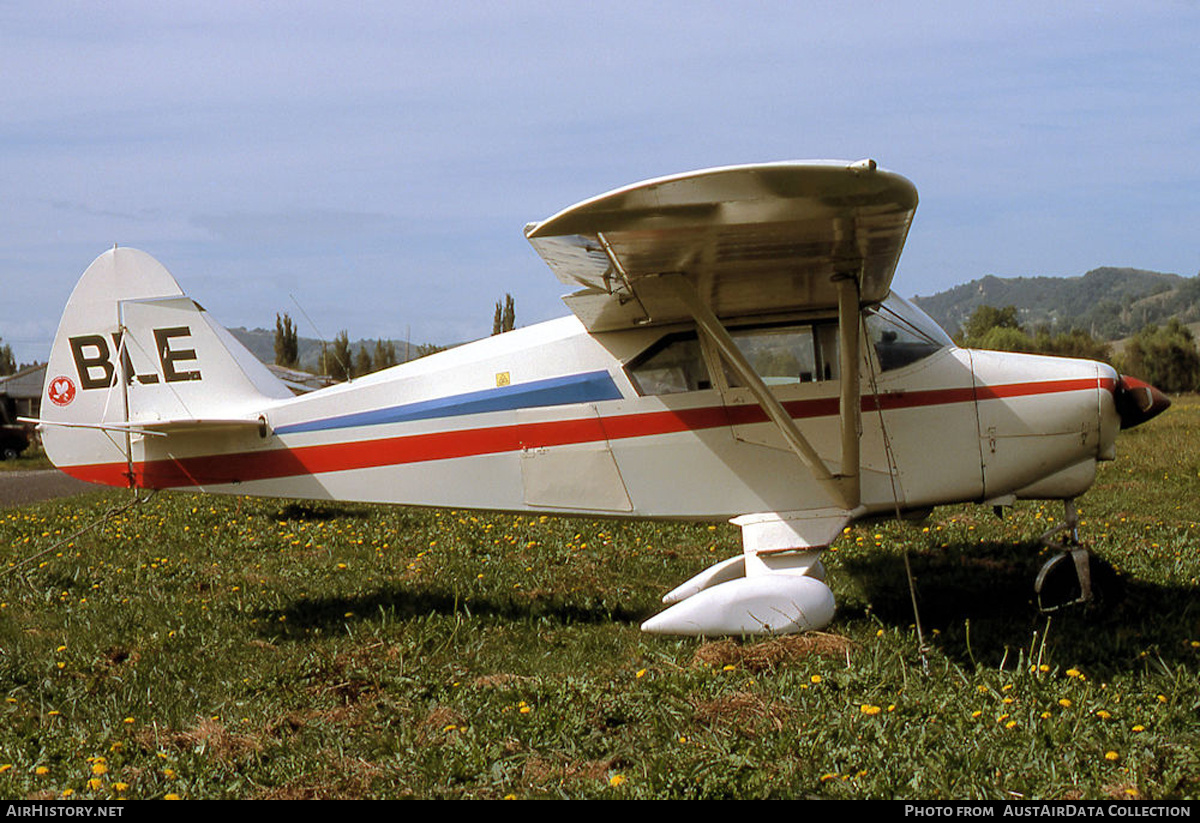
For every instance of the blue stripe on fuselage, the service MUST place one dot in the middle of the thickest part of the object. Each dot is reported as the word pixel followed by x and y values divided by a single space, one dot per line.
pixel 557 391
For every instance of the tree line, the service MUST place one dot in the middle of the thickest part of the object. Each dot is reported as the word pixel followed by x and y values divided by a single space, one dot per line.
pixel 341 363
pixel 338 359
pixel 1165 355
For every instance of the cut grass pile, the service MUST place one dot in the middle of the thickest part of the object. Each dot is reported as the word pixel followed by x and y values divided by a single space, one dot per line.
pixel 207 647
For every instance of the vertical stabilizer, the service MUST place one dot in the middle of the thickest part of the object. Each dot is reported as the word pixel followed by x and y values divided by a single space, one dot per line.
pixel 134 353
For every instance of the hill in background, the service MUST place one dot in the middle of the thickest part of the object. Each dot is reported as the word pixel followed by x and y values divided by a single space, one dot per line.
pixel 1108 303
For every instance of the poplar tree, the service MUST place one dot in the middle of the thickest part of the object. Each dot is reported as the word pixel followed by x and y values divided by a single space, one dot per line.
pixel 509 321
pixel 362 363
pixel 505 318
pixel 339 360
pixel 287 344
pixel 8 365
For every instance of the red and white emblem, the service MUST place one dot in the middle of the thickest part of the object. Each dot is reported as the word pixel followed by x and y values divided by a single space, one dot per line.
pixel 61 391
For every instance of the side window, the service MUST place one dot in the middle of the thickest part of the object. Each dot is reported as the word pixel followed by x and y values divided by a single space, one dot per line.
pixel 785 355
pixel 674 364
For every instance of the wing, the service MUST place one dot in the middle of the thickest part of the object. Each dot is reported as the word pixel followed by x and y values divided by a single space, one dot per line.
pixel 752 239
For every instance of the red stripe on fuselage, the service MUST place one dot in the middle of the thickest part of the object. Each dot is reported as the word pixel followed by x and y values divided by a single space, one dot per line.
pixel 318 459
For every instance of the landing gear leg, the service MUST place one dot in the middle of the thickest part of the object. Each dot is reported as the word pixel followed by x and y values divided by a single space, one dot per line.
pixel 1056 586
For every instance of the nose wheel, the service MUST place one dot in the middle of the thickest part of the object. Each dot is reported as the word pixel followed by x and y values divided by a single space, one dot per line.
pixel 1066 578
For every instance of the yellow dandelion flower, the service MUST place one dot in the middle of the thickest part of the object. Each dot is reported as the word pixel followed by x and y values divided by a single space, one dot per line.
pixel 1010 724
pixel 816 678
pixel 95 784
pixel 1111 755
pixel 616 780
pixel 171 796
pixel 1065 703
pixel 98 768
pixel 976 713
pixel 1073 673
pixel 868 709
pixel 1139 728
pixel 640 673
pixel 1103 715
pixel 68 792
pixel 120 786
pixel 42 770
pixel 1045 715
pixel 828 776
pixel 5 767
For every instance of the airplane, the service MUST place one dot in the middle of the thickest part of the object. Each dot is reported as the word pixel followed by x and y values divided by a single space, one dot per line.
pixel 735 352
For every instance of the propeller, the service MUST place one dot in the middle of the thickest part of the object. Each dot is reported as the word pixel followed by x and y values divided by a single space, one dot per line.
pixel 1138 401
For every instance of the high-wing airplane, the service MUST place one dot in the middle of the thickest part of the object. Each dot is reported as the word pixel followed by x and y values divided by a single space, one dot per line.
pixel 735 352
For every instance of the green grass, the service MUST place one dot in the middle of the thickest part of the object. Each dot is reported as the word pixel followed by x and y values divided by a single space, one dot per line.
pixel 212 647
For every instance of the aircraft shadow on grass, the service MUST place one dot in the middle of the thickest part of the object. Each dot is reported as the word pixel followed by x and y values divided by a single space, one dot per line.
pixel 977 606
pixel 399 602
pixel 980 600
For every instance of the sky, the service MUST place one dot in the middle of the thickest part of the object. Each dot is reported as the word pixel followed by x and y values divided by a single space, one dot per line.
pixel 369 166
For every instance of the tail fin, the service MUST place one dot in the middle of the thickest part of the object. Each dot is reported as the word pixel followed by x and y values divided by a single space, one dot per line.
pixel 135 358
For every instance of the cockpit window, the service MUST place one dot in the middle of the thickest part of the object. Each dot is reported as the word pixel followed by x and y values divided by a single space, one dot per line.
pixel 783 355
pixel 787 354
pixel 903 334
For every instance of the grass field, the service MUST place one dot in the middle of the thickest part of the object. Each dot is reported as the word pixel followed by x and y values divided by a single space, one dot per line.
pixel 205 647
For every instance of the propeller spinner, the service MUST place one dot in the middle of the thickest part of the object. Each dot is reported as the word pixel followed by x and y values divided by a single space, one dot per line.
pixel 1138 401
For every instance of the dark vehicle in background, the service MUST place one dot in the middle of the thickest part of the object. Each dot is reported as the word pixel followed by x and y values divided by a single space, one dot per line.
pixel 14 437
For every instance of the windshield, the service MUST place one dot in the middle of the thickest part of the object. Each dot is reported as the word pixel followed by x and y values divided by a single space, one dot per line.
pixel 903 334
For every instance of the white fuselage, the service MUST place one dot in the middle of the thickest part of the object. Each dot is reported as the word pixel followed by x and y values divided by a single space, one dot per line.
pixel 550 418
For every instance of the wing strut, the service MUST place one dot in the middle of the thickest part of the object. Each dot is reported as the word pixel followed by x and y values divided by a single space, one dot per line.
pixel 843 489
pixel 849 318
